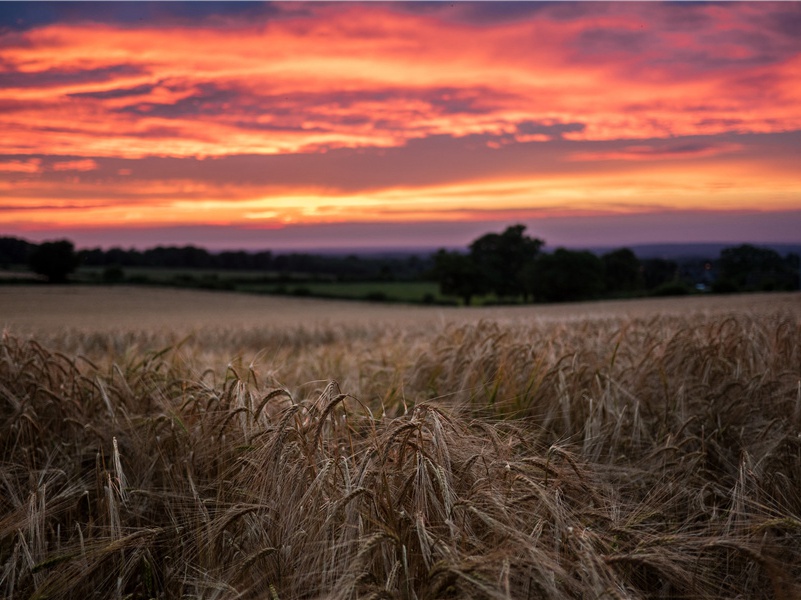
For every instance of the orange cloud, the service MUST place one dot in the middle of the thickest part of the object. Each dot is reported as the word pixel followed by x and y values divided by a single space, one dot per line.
pixel 32 165
pixel 86 164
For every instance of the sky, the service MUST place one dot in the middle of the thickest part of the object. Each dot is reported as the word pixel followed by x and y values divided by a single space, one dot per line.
pixel 399 125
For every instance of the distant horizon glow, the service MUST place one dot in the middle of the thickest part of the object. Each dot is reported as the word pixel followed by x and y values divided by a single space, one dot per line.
pixel 611 231
pixel 327 125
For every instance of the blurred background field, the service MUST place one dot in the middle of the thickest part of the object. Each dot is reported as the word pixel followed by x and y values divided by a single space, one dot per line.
pixel 48 309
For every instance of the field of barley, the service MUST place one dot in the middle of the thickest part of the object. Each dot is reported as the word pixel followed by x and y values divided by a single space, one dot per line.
pixel 170 444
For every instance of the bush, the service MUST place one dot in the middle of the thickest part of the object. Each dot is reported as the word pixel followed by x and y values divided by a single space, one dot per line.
pixel 55 260
pixel 725 286
pixel 113 274
pixel 673 288
pixel 376 297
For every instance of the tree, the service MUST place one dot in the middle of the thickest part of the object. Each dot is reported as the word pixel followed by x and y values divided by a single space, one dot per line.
pixel 566 275
pixel 748 267
pixel 501 259
pixel 179 257
pixel 55 260
pixel 14 251
pixel 622 271
pixel 457 275
pixel 659 271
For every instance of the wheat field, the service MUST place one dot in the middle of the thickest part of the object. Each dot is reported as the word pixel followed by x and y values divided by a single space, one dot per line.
pixel 169 444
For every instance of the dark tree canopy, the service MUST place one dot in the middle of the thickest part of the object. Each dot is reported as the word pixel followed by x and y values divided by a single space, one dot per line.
pixel 14 251
pixel 566 275
pixel 622 271
pixel 748 267
pixel 457 275
pixel 501 259
pixel 55 260
pixel 659 271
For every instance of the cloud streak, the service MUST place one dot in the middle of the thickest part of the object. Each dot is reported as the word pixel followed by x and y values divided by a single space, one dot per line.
pixel 687 150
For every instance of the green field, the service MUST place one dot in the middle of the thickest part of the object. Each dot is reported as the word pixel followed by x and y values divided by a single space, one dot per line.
pixel 295 284
pixel 394 291
pixel 163 443
pixel 168 275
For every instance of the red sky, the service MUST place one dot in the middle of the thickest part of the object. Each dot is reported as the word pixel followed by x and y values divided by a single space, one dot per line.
pixel 388 124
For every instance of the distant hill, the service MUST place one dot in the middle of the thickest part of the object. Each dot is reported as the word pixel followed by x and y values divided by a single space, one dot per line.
pixel 685 251
pixel 676 251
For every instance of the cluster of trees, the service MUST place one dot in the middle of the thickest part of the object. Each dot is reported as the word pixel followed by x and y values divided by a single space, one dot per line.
pixel 14 251
pixel 509 265
pixel 349 267
pixel 56 260
pixel 750 268
pixel 512 265
pixel 53 260
pixel 175 257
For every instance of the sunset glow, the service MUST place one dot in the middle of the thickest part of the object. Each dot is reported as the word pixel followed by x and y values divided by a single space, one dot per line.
pixel 236 117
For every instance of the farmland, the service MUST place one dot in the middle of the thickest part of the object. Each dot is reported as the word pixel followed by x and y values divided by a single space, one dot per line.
pixel 164 443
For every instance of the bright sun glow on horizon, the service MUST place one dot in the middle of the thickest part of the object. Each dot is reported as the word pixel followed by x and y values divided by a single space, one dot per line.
pixel 291 116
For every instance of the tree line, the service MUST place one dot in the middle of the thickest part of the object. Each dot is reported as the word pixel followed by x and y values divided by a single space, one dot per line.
pixel 512 266
pixel 56 260
pixel 501 267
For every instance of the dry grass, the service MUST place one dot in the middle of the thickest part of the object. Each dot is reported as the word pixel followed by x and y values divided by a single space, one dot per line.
pixel 639 455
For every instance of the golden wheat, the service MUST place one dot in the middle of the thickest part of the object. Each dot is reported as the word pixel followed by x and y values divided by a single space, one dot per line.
pixel 642 456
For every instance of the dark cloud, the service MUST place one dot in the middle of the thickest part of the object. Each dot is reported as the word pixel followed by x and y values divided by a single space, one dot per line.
pixel 686 148
pixel 429 161
pixel 9 106
pixel 553 130
pixel 294 111
pixel 747 40
pixel 784 20
pixel 451 100
pixel 731 124
pixel 604 42
pixel 204 99
pixel 57 77
pixel 21 16
pixel 138 90
pixel 436 160
pixel 489 13
pixel 49 207
pixel 673 150
pixel 684 16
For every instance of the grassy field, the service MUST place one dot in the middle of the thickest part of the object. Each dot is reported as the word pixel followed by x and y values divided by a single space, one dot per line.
pixel 294 284
pixel 173 443
pixel 395 291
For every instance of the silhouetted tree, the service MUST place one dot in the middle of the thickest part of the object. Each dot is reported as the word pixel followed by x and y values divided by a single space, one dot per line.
pixel 658 271
pixel 457 275
pixel 566 275
pixel 622 271
pixel 748 267
pixel 14 251
pixel 793 263
pixel 55 260
pixel 501 259
pixel 182 257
